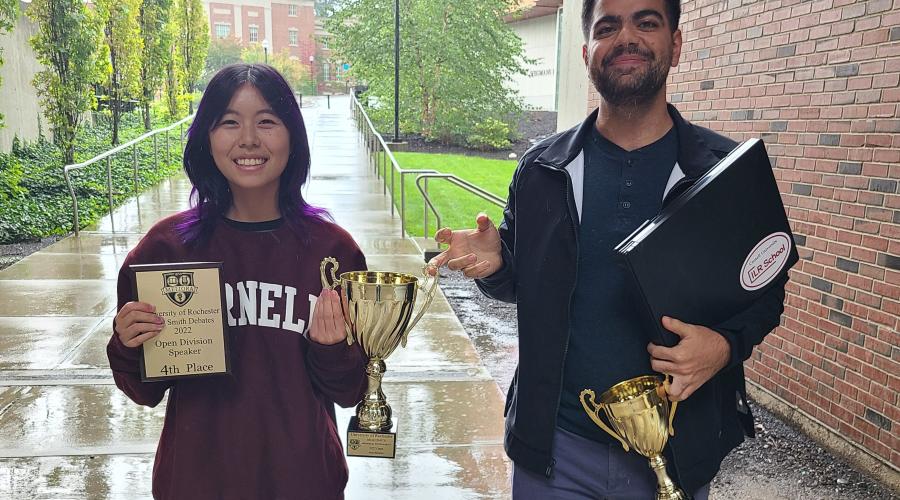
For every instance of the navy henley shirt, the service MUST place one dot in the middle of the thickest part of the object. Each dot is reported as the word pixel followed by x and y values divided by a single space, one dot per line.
pixel 607 344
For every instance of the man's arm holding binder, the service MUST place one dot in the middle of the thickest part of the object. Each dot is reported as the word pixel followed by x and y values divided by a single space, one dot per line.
pixel 749 328
pixel 702 352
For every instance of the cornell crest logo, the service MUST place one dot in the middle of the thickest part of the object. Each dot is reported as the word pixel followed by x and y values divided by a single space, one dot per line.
pixel 179 287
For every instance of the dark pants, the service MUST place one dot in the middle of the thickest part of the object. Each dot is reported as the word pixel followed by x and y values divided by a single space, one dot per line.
pixel 590 470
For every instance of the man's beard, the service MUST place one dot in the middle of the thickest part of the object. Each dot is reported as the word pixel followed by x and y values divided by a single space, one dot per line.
pixel 636 88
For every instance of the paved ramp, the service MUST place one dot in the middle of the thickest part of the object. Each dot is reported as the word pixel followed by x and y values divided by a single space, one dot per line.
pixel 67 432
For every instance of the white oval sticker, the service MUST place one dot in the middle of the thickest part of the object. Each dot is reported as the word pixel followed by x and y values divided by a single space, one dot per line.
pixel 765 261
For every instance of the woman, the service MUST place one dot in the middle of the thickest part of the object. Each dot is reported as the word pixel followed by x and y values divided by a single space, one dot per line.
pixel 267 430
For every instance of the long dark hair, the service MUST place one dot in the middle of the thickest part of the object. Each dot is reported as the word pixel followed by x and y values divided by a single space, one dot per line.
pixel 211 195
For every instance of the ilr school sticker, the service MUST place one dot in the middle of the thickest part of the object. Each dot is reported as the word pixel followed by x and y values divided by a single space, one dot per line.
pixel 765 261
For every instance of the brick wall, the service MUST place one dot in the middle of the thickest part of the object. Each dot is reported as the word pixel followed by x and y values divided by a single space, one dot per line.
pixel 305 24
pixel 253 16
pixel 224 14
pixel 818 81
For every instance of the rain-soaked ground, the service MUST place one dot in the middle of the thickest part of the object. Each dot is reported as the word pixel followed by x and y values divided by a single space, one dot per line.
pixel 780 464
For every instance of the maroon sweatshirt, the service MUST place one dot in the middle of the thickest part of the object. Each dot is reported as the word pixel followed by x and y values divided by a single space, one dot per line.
pixel 267 429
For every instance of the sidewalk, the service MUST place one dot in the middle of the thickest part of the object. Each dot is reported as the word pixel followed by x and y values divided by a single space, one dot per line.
pixel 67 432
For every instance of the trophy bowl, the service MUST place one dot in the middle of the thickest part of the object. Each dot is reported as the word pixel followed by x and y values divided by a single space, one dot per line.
pixel 378 314
pixel 641 418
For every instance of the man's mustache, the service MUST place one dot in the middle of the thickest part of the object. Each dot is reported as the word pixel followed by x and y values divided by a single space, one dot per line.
pixel 629 49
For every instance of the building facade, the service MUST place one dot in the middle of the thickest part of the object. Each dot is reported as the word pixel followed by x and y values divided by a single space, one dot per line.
pixel 538 25
pixel 285 25
pixel 332 72
pixel 19 101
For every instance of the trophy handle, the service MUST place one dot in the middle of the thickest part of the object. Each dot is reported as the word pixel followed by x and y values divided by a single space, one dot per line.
pixel 429 296
pixel 672 408
pixel 593 411
pixel 324 273
pixel 334 284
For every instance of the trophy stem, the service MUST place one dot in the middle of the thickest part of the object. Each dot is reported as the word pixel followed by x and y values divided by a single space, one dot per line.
pixel 373 412
pixel 666 489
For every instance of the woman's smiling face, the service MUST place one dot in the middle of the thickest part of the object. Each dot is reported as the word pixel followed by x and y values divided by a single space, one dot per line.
pixel 250 144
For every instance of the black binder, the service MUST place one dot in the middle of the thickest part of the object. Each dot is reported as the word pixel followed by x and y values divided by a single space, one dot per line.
pixel 715 248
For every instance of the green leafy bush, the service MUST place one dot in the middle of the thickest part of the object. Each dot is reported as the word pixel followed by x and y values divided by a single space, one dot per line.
pixel 459 126
pixel 10 177
pixel 35 201
pixel 490 134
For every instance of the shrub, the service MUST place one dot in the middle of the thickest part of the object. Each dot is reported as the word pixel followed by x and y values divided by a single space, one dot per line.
pixel 35 201
pixel 10 176
pixel 490 134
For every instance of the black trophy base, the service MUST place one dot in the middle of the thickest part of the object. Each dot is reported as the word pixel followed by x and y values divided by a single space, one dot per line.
pixel 378 444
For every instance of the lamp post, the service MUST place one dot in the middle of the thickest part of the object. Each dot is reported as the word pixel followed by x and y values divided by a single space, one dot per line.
pixel 265 46
pixel 396 70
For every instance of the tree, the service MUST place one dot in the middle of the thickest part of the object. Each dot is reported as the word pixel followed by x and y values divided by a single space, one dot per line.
pixel 9 13
pixel 222 52
pixel 172 74
pixel 324 8
pixel 122 34
pixel 294 72
pixel 66 45
pixel 192 43
pixel 253 54
pixel 456 58
pixel 157 40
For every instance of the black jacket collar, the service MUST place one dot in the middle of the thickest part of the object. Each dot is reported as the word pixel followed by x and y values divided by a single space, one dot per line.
pixel 694 155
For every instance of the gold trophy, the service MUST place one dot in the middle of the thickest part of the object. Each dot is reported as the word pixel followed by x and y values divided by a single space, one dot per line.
pixel 377 311
pixel 639 410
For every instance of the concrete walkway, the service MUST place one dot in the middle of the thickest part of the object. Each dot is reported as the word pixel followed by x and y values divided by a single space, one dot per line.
pixel 67 432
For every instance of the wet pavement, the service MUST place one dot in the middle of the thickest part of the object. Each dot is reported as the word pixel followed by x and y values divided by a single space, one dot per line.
pixel 67 432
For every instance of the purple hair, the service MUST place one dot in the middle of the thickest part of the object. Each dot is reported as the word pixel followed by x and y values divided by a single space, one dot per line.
pixel 211 195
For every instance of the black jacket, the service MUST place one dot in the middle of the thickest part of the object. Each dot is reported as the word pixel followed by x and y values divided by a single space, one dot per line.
pixel 540 253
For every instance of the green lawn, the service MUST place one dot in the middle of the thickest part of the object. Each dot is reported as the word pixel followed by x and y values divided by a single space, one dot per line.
pixel 457 207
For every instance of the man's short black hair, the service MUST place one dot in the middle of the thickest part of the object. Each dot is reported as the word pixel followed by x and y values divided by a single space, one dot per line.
pixel 673 12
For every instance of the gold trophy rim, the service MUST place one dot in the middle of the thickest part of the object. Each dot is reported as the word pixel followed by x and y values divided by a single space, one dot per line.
pixel 618 389
pixel 349 277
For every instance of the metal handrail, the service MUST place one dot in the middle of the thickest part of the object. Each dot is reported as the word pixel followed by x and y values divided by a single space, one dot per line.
pixel 107 155
pixel 468 186
pixel 380 154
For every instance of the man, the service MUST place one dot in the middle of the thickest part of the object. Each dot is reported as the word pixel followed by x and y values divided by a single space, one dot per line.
pixel 572 199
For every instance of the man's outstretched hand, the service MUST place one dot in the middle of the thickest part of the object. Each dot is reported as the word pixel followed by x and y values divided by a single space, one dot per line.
pixel 475 252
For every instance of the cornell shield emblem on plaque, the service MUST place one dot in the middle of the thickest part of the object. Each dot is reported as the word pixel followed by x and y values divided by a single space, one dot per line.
pixel 179 287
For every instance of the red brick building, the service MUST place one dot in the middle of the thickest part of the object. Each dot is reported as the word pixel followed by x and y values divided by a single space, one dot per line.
pixel 819 82
pixel 285 24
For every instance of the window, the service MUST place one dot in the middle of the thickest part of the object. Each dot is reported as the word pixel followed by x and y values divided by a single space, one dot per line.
pixel 325 72
pixel 254 33
pixel 293 37
pixel 324 42
pixel 223 30
pixel 292 10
